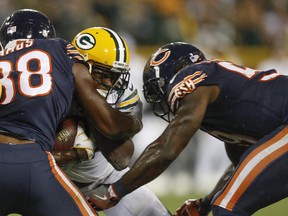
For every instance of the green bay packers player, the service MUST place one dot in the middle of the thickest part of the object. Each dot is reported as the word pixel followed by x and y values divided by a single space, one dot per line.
pixel 108 56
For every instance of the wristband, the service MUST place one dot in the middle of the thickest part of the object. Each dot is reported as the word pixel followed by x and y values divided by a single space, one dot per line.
pixel 119 189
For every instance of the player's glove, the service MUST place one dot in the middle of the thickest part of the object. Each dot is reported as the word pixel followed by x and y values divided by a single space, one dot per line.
pixel 194 207
pixel 103 197
pixel 82 141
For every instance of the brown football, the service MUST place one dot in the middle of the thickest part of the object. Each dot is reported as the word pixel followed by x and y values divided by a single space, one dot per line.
pixel 66 134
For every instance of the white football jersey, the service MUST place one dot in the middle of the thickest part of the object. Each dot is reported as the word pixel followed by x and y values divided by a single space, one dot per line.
pixel 98 169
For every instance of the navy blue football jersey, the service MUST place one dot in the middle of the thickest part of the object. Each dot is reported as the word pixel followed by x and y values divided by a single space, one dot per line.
pixel 251 103
pixel 38 87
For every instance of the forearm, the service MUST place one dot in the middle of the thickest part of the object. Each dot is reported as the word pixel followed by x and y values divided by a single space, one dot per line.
pixel 73 155
pixel 202 206
pixel 148 167
pixel 110 121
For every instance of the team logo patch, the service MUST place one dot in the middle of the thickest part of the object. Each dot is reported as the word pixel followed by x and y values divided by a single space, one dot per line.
pixel 188 84
pixel 160 57
pixel 85 41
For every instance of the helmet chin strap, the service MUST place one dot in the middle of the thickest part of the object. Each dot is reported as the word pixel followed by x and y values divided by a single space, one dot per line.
pixel 110 97
pixel 102 92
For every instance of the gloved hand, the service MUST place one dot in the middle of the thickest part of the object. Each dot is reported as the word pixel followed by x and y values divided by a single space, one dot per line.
pixel 189 208
pixel 103 197
pixel 82 141
pixel 194 207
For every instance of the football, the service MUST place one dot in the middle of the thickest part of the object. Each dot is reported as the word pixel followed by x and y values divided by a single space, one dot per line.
pixel 66 134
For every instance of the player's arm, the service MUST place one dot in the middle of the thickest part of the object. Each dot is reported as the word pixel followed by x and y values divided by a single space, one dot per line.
pixel 202 206
pixel 68 156
pixel 165 149
pixel 120 152
pixel 72 143
pixel 109 121
pixel 117 152
pixel 234 153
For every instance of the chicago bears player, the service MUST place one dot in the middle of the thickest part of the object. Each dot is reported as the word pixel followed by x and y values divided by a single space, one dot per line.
pixel 109 60
pixel 245 108
pixel 40 74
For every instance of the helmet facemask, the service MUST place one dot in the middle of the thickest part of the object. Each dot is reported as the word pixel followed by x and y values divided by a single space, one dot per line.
pixel 154 94
pixel 112 81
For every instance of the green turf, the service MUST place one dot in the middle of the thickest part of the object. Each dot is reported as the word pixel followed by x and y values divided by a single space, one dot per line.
pixel 172 203
pixel 278 209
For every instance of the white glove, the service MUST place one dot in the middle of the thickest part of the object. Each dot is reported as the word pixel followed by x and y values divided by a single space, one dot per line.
pixel 84 142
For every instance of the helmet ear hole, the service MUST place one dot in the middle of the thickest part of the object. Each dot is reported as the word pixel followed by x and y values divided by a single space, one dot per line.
pixel 26 24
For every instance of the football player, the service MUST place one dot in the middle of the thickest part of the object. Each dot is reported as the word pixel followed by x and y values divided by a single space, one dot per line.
pixel 108 57
pixel 40 74
pixel 245 108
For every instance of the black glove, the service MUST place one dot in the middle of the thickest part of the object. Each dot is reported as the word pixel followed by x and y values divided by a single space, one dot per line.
pixel 194 207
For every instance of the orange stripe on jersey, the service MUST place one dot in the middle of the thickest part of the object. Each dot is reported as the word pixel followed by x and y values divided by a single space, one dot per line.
pixel 76 195
pixel 190 77
pixel 254 173
pixel 69 46
pixel 72 51
pixel 250 168
pixel 185 87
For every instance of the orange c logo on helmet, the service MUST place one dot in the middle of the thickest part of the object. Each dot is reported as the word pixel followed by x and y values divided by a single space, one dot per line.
pixel 163 59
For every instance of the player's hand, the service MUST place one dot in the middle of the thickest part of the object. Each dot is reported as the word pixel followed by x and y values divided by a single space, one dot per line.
pixel 194 207
pixel 82 141
pixel 103 197
pixel 189 208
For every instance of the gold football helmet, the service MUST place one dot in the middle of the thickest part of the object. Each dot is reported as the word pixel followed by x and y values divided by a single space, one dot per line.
pixel 108 56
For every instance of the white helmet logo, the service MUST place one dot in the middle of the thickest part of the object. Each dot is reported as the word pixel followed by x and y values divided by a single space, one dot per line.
pixel 85 41
pixel 194 58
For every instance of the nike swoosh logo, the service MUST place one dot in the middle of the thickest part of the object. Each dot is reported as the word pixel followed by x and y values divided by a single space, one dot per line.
pixel 100 197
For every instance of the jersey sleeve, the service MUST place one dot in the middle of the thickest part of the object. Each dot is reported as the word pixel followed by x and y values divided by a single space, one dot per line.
pixel 128 100
pixel 184 82
pixel 73 53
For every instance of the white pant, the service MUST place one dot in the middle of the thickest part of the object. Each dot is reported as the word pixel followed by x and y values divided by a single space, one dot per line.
pixel 141 202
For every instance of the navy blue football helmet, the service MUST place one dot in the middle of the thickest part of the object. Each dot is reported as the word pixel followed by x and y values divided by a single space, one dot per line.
pixel 161 68
pixel 26 24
